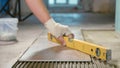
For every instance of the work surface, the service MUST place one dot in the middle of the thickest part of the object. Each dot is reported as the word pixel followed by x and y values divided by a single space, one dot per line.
pixel 45 50
pixel 30 29
pixel 46 54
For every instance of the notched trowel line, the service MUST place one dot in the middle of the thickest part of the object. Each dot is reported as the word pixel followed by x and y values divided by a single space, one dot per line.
pixel 94 50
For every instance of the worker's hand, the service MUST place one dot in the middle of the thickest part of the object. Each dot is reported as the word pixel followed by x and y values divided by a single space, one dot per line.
pixel 61 39
pixel 58 30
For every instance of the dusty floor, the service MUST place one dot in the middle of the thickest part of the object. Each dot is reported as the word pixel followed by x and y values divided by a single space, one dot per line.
pixel 30 29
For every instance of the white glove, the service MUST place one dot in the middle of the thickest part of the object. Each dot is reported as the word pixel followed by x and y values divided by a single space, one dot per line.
pixel 57 29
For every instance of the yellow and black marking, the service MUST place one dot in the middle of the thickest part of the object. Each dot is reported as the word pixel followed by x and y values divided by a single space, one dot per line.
pixel 94 50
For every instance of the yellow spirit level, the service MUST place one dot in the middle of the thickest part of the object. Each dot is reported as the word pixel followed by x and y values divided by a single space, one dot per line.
pixel 94 50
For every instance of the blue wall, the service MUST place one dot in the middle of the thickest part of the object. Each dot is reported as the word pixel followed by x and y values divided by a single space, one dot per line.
pixel 117 20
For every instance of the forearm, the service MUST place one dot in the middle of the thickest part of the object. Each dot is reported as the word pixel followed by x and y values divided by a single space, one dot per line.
pixel 39 10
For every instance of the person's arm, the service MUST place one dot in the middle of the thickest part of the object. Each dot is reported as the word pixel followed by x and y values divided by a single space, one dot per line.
pixel 41 12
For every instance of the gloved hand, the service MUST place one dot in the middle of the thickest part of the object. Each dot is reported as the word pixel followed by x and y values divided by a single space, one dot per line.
pixel 58 30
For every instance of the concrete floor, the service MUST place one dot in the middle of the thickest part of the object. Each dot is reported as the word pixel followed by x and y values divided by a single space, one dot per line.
pixel 30 29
